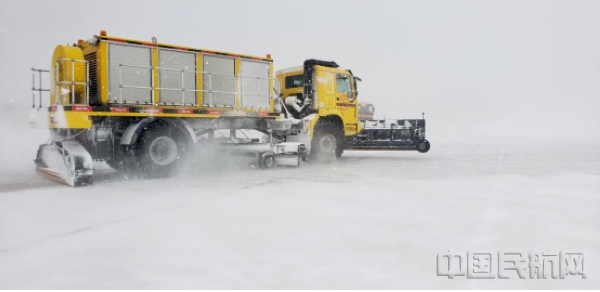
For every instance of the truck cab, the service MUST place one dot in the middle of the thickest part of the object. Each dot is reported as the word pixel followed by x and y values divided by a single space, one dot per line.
pixel 328 96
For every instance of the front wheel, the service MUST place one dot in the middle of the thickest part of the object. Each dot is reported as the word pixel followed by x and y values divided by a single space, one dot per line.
pixel 327 142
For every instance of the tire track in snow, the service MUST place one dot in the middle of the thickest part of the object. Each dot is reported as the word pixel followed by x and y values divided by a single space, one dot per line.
pixel 186 203
pixel 89 227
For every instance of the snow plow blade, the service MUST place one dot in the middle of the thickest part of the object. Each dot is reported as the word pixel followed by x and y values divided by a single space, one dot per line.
pixel 66 162
pixel 394 135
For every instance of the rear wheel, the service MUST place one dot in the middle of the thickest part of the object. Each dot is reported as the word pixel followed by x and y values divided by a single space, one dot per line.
pixel 327 142
pixel 423 146
pixel 160 152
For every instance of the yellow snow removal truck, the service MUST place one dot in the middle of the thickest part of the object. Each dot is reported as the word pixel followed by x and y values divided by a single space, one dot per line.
pixel 143 106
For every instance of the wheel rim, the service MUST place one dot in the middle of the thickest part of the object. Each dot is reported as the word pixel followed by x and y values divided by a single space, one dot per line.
pixel 163 150
pixel 327 143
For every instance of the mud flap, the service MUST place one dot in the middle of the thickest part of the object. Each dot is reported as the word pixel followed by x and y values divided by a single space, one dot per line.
pixel 66 162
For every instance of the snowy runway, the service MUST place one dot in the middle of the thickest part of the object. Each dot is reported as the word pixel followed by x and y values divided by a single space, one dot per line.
pixel 373 220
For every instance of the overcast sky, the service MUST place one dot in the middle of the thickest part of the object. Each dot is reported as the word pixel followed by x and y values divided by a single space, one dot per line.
pixel 475 67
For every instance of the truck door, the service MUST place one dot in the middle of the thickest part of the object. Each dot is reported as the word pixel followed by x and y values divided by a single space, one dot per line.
pixel 326 95
pixel 346 102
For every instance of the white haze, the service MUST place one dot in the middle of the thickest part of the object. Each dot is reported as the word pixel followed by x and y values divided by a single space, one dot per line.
pixel 511 94
pixel 478 69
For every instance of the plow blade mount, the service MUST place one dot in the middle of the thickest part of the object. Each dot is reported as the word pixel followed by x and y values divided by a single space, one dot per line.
pixel 391 135
pixel 66 162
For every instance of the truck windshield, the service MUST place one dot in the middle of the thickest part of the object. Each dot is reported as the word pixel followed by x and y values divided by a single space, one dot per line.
pixel 294 81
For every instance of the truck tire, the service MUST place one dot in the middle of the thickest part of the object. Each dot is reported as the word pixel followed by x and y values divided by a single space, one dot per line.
pixel 423 146
pixel 267 161
pixel 327 142
pixel 160 152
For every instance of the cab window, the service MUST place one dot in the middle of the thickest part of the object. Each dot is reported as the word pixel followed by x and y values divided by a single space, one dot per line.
pixel 343 86
pixel 294 81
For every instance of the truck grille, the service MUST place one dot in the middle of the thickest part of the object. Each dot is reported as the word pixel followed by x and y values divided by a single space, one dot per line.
pixel 93 67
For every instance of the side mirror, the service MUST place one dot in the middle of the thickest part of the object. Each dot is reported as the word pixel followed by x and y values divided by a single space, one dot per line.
pixel 351 95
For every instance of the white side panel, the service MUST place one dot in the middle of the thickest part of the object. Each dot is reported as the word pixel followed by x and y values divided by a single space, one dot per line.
pixel 174 80
pixel 255 85
pixel 224 84
pixel 129 76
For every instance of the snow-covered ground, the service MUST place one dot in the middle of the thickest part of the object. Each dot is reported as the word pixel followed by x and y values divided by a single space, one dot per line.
pixel 372 220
